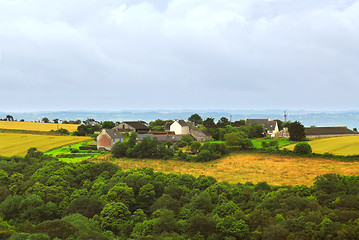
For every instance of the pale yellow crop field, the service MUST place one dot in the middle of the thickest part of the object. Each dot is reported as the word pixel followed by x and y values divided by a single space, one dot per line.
pixel 35 126
pixel 246 167
pixel 13 144
pixel 335 145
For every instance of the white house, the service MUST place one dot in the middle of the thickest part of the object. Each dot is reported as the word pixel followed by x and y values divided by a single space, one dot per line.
pixel 180 127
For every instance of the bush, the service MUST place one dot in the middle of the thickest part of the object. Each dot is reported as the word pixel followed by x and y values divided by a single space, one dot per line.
pixel 205 156
pixel 88 147
pixel 302 148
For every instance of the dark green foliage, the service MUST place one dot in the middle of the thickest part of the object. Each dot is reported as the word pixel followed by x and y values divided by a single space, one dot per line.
pixel 195 147
pixel 108 124
pixel 87 129
pixel 43 198
pixel 238 140
pixel 296 131
pixel 61 131
pixel 196 119
pixel 188 139
pixel 88 147
pixel 302 148
pixel 120 149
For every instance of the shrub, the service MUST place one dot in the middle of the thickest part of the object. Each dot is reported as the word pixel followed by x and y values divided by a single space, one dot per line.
pixel 205 156
pixel 302 148
pixel 88 147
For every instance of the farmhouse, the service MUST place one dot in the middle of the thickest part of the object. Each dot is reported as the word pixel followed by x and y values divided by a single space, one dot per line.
pixel 320 132
pixel 201 136
pixel 180 127
pixel 270 126
pixel 131 126
pixel 107 138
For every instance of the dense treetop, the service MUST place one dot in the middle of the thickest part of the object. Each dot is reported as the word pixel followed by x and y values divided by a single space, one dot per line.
pixel 44 198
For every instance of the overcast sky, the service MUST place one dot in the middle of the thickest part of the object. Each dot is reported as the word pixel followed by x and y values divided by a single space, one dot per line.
pixel 179 54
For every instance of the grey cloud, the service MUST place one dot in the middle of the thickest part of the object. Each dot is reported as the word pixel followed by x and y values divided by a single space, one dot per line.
pixel 179 53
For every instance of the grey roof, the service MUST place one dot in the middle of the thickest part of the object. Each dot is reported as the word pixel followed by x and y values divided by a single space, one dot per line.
pixel 328 131
pixel 262 122
pixel 200 133
pixel 168 126
pixel 270 125
pixel 113 134
pixel 161 138
pixel 137 125
pixel 183 123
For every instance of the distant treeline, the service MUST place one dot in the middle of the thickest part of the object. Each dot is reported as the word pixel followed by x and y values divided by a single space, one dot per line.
pixel 44 198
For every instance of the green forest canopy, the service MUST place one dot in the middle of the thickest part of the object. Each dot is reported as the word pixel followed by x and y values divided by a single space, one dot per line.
pixel 44 198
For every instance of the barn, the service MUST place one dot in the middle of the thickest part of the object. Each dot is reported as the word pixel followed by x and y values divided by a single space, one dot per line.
pixel 107 138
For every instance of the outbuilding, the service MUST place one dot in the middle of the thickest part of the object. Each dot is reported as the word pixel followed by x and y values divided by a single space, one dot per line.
pixel 107 138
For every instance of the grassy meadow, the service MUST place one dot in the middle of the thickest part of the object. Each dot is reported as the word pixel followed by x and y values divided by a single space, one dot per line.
pixel 73 156
pixel 247 167
pixel 336 145
pixel 12 144
pixel 35 126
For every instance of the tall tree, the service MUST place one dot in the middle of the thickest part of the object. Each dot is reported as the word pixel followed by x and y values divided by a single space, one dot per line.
pixel 296 131
pixel 45 120
pixel 222 122
pixel 196 119
pixel 209 123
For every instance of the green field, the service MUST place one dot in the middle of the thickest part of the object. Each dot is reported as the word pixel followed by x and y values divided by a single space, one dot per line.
pixel 73 153
pixel 13 144
pixel 257 143
pixel 336 145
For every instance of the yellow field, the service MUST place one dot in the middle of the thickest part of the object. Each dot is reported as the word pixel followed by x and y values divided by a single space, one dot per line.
pixel 251 167
pixel 17 144
pixel 35 126
pixel 335 145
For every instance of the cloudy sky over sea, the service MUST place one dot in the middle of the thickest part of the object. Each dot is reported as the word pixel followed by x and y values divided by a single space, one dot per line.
pixel 179 54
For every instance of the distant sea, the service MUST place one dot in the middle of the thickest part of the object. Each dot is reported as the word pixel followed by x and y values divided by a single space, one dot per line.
pixel 307 118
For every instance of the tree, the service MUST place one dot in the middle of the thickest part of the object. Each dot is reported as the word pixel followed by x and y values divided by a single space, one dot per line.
pixel 195 147
pixel 238 140
pixel 188 139
pixel 56 120
pixel 296 131
pixel 45 120
pixel 222 122
pixel 120 149
pixel 230 227
pixel 209 123
pixel 280 124
pixel 239 123
pixel 196 119
pixel 113 217
pixel 108 124
pixel 302 148
pixel 9 118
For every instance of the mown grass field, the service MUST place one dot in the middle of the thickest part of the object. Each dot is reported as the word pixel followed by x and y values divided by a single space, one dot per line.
pixel 257 143
pixel 248 167
pixel 335 145
pixel 12 144
pixel 79 156
pixel 35 126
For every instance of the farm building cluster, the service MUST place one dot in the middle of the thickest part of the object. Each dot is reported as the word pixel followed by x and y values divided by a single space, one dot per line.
pixel 174 131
